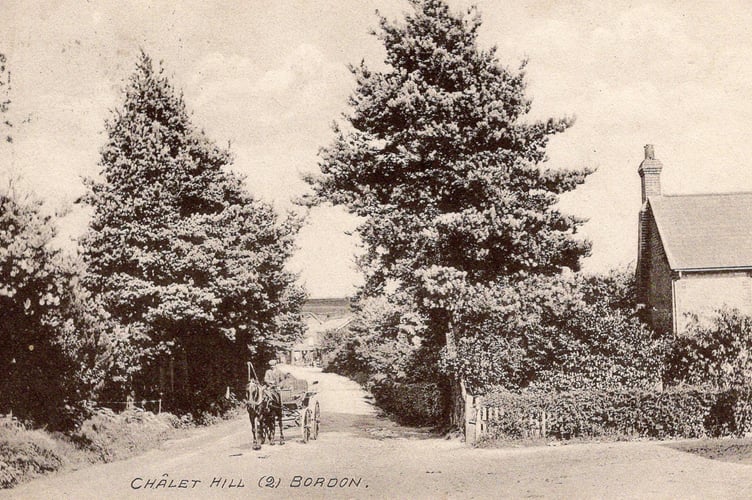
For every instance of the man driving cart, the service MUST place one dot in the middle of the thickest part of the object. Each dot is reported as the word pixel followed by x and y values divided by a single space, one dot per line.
pixel 273 376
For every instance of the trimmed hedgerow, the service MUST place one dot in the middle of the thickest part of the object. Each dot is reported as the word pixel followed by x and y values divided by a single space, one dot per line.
pixel 414 404
pixel 685 412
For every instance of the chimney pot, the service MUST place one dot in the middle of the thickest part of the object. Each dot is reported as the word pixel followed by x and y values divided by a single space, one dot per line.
pixel 649 152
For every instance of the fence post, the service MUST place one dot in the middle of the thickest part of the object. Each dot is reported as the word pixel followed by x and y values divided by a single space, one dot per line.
pixel 470 414
pixel 478 418
pixel 543 424
pixel 468 407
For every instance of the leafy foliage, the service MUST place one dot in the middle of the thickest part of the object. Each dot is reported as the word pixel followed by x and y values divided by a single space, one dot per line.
pixel 382 349
pixel 380 341
pixel 25 454
pixel 686 412
pixel 555 334
pixel 412 404
pixel 54 341
pixel 715 351
pixel 103 437
pixel 111 436
pixel 182 255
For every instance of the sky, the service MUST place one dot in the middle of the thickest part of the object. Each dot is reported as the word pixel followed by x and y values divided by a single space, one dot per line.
pixel 270 77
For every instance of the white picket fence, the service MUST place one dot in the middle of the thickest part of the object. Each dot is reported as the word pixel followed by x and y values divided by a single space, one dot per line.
pixel 478 414
pixel 9 420
pixel 476 419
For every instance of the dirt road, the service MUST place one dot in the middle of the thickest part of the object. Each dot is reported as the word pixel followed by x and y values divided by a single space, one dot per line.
pixel 359 455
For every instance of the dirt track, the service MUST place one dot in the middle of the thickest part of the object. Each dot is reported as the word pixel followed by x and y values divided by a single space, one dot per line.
pixel 369 457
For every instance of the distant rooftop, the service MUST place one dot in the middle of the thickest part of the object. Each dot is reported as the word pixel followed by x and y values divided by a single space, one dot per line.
pixel 330 307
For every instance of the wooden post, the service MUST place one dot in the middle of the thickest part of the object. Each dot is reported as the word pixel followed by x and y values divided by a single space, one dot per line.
pixel 478 418
pixel 543 424
pixel 162 374
pixel 469 412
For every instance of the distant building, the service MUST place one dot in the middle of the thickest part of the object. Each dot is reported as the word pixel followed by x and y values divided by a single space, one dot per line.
pixel 695 251
pixel 319 315
pixel 332 307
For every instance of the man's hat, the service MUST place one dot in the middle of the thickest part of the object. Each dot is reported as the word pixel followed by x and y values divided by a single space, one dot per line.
pixel 272 362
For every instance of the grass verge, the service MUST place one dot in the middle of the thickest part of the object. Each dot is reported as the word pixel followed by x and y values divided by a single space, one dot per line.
pixel 104 437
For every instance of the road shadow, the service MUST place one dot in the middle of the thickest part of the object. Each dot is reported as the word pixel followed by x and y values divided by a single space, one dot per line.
pixel 373 427
pixel 735 450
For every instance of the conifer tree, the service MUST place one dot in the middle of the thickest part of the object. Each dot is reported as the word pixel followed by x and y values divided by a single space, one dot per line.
pixel 438 159
pixel 182 254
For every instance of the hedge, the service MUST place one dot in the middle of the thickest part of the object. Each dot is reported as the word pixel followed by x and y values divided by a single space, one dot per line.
pixel 413 404
pixel 114 436
pixel 684 412
pixel 26 453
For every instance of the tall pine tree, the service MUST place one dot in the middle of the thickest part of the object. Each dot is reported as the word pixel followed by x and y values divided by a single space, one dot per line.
pixel 182 254
pixel 437 157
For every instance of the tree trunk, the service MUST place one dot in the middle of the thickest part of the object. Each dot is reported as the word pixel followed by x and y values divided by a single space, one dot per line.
pixel 172 375
pixel 458 396
pixel 186 382
pixel 457 392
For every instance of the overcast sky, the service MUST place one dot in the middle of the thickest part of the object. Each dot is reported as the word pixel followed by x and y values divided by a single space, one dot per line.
pixel 270 77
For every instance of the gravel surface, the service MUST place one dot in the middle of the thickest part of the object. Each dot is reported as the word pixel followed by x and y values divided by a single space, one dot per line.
pixel 361 455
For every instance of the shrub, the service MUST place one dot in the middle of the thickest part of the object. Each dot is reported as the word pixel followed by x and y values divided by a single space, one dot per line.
pixel 382 351
pixel 54 336
pixel 415 404
pixel 685 412
pixel 557 333
pixel 713 350
pixel 381 340
pixel 116 436
pixel 25 454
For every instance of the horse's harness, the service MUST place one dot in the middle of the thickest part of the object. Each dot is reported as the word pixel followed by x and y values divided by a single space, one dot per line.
pixel 259 390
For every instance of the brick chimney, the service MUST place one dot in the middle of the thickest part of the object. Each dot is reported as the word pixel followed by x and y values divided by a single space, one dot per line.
pixel 650 174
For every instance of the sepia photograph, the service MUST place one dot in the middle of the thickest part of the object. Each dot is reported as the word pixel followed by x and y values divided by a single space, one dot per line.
pixel 410 249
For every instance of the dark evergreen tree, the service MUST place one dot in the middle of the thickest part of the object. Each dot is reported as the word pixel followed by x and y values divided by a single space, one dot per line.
pixel 438 159
pixel 182 255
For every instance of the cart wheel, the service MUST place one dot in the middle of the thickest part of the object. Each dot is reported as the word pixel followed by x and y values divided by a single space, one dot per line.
pixel 306 427
pixel 316 420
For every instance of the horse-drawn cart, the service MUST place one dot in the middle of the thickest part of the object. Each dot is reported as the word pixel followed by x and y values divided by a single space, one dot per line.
pixel 300 407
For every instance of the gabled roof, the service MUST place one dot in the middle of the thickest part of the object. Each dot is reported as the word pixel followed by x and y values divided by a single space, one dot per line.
pixel 708 231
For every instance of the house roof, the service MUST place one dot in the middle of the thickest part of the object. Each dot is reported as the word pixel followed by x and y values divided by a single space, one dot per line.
pixel 708 231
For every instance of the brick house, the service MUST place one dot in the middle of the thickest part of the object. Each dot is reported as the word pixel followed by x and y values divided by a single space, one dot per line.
pixel 695 251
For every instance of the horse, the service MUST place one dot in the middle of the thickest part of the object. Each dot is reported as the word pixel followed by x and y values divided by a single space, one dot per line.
pixel 255 406
pixel 272 415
